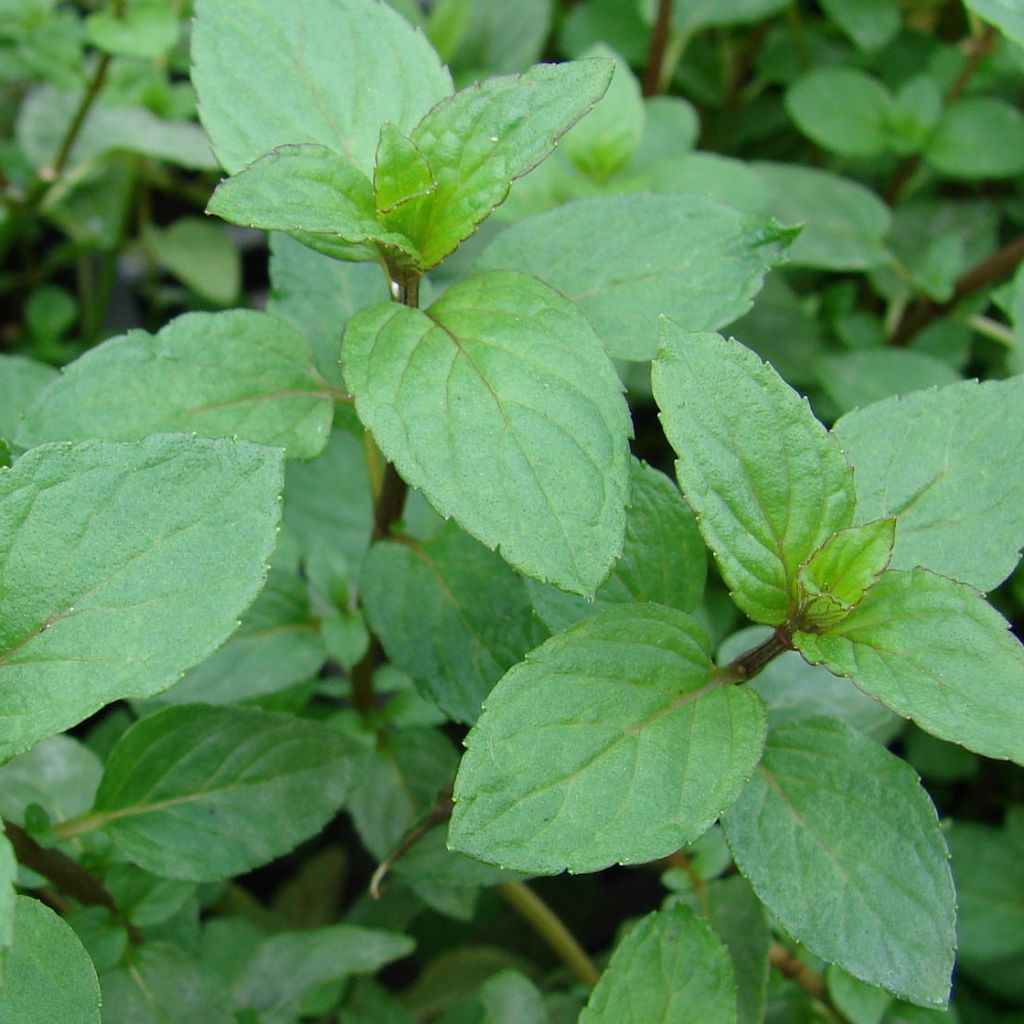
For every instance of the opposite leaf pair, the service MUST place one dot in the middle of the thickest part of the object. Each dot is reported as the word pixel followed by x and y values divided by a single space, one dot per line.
pixel 430 188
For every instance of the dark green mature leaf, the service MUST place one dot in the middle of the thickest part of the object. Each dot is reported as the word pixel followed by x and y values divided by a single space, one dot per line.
pixel 450 614
pixel 234 374
pixel 617 720
pixel 8 876
pixel 284 967
pixel 481 139
pixel 270 74
pixel 21 379
pixel 739 920
pixel 685 256
pixel 163 985
pixel 936 651
pixel 499 404
pixel 988 865
pixel 842 109
pixel 179 789
pixel 318 294
pixel 768 483
pixel 314 192
pixel 948 464
pixel 978 137
pixel 844 223
pixel 663 559
pixel 843 846
pixel 48 976
pixel 792 689
pixel 841 571
pixel 1006 15
pixel 397 783
pixel 123 565
pixel 277 645
pixel 669 969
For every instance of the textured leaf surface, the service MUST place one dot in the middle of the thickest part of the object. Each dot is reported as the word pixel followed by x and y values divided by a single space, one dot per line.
pixel 768 484
pixel 949 464
pixel 318 294
pixel 663 559
pixel 484 137
pixel 123 565
pixel 48 976
pixel 163 985
pixel 286 966
pixel 844 223
pixel 617 720
pixel 235 374
pixel 842 844
pixel 21 379
pixel 499 404
pixel 179 789
pixel 669 969
pixel 450 614
pixel 270 74
pixel 277 645
pixel 309 189
pixel 935 651
pixel 686 256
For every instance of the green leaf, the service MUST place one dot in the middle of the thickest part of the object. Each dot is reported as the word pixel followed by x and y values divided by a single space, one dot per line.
pixel 179 789
pixel 936 651
pixel 669 969
pixel 21 379
pixel 620 720
pixel 1006 15
pixel 200 254
pixel 396 785
pixel 768 483
pixel 315 193
pixel 8 897
pixel 47 114
pixel 501 38
pixel 269 74
pixel 284 967
pixel 163 985
pixel 859 1003
pixel 234 374
pixel 844 223
pixel 858 379
pixel 123 566
pixel 606 139
pixel 318 294
pixel 945 463
pixel 988 865
pixel 793 689
pixel 142 30
pixel 663 559
pixel 277 645
pixel 843 846
pixel 978 137
pixel 842 109
pixel 840 572
pixel 450 614
pixel 477 142
pixel 60 775
pixel 869 23
pixel 684 256
pixel 500 405
pixel 48 976
pixel 401 173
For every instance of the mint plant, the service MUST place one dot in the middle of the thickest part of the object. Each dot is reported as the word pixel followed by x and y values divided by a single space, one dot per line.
pixel 329 628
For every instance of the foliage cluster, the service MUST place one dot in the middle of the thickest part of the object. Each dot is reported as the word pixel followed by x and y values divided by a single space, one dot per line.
pixel 344 599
